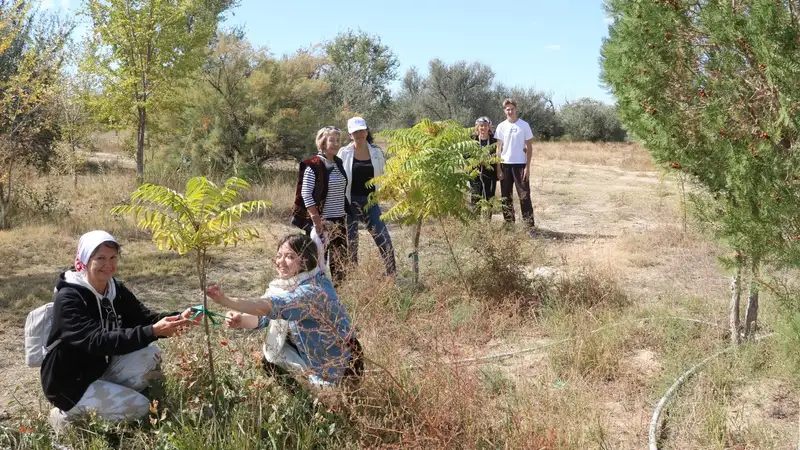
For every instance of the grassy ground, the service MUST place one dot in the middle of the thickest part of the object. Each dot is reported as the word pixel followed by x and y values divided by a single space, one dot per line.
pixel 599 344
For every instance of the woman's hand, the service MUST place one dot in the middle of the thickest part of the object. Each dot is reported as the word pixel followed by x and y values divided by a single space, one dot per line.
pixel 170 325
pixel 234 319
pixel 188 313
pixel 214 291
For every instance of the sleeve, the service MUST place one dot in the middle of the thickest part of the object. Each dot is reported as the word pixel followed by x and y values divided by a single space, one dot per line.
pixel 307 189
pixel 137 312
pixel 528 132
pixel 295 305
pixel 79 329
pixel 263 322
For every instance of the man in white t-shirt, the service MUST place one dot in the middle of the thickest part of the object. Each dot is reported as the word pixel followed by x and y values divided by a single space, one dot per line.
pixel 515 148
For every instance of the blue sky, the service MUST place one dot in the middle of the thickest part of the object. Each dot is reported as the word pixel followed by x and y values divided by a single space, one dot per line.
pixel 551 45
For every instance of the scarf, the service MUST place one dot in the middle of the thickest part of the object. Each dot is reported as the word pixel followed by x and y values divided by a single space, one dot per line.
pixel 278 329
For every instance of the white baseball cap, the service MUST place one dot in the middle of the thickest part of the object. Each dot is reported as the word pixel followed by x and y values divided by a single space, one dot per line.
pixel 355 124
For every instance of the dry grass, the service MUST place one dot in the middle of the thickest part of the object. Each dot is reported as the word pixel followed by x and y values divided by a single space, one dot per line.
pixel 599 346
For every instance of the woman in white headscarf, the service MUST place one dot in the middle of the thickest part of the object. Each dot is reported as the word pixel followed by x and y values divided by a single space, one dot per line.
pixel 99 354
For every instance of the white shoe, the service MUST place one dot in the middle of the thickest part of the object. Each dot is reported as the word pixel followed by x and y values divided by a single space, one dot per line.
pixel 58 420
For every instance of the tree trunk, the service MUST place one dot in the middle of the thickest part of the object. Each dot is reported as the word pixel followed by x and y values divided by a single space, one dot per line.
pixel 5 200
pixel 140 144
pixel 415 254
pixel 736 295
pixel 751 315
pixel 74 162
pixel 202 265
pixel 4 207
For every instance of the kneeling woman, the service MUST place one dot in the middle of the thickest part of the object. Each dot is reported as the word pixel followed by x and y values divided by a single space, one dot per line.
pixel 309 329
pixel 100 355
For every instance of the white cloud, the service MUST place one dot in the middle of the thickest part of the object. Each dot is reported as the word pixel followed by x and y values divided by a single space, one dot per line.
pixel 64 4
pixel 608 20
pixel 552 48
pixel 47 4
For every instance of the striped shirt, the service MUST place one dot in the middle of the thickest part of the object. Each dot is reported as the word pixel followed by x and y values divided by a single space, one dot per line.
pixel 334 201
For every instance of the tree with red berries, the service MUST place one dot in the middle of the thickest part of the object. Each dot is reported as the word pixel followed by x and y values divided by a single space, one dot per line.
pixel 710 89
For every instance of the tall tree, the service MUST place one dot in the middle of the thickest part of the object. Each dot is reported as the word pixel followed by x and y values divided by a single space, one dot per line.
pixel 244 107
pixel 360 70
pixel 710 89
pixel 30 59
pixel 138 48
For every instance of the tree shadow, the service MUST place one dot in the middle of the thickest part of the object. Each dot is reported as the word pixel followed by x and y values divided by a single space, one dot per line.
pixel 565 236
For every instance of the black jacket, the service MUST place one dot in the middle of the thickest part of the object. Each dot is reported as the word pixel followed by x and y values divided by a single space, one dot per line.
pixel 80 358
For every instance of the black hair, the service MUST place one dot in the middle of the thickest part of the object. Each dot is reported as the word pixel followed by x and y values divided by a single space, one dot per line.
pixel 370 139
pixel 304 247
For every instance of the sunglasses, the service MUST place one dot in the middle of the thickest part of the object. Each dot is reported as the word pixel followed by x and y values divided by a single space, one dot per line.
pixel 111 320
pixel 483 120
pixel 332 128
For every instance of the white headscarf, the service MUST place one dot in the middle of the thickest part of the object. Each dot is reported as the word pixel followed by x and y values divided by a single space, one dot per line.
pixel 87 245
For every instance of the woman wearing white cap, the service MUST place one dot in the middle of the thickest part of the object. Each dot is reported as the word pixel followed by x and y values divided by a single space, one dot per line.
pixel 99 356
pixel 363 161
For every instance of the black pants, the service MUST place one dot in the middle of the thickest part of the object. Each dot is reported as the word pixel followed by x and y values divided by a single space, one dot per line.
pixel 512 176
pixel 483 187
pixel 336 249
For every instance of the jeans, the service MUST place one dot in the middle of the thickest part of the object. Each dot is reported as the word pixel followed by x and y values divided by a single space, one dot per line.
pixel 512 177
pixel 371 217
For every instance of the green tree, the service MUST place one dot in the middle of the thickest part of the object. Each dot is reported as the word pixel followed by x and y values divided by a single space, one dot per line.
pixel 205 217
pixel 591 120
pixel 359 72
pixel 534 107
pixel 137 49
pixel 244 107
pixel 31 57
pixel 427 174
pixel 711 89
pixel 75 122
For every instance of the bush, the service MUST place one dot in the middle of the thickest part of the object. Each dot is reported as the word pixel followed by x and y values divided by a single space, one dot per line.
pixel 590 120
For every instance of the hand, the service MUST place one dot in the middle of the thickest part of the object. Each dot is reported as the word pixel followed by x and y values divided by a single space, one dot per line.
pixel 170 325
pixel 500 175
pixel 234 319
pixel 214 291
pixel 319 227
pixel 188 316
pixel 526 174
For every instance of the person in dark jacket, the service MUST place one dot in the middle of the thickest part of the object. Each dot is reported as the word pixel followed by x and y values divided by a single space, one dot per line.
pixel 321 206
pixel 101 335
pixel 483 187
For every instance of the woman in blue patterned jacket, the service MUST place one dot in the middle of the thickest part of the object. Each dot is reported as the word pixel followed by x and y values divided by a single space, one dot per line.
pixel 309 330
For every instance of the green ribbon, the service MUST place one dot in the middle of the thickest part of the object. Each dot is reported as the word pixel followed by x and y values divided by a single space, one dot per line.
pixel 211 314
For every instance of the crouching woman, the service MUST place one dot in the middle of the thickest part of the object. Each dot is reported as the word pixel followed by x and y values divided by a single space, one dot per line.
pixel 100 356
pixel 309 331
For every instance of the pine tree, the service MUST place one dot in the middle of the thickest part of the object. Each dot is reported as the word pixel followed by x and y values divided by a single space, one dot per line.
pixel 710 89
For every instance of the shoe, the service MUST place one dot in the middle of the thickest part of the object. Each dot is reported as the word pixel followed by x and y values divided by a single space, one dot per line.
pixel 58 420
pixel 532 233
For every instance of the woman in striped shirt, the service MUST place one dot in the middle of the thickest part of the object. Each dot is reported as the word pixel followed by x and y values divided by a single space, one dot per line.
pixel 320 199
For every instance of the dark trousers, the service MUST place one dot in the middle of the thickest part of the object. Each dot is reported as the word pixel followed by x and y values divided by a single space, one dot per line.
pixel 336 249
pixel 483 187
pixel 512 176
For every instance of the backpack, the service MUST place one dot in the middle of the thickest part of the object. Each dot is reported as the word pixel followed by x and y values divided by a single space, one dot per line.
pixel 37 330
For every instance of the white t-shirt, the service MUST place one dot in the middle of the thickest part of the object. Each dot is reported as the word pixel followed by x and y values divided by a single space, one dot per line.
pixel 514 135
